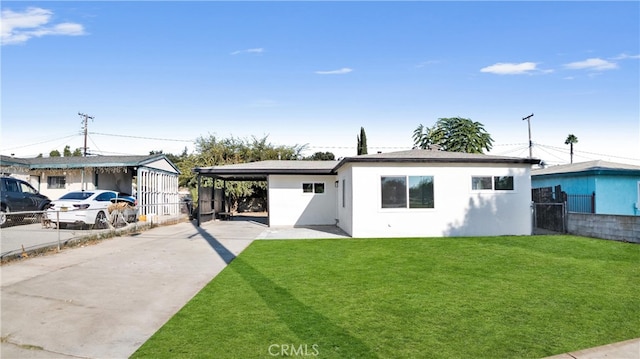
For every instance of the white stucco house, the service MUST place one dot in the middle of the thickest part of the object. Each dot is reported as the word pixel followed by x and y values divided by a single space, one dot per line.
pixel 415 193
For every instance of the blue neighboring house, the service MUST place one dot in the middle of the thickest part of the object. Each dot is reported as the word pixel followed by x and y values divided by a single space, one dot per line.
pixel 615 187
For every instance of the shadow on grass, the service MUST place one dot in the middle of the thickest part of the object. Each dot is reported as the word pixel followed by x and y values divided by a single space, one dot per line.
pixel 307 324
pixel 310 326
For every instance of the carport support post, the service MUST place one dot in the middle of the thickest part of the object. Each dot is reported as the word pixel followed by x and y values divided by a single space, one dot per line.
pixel 199 199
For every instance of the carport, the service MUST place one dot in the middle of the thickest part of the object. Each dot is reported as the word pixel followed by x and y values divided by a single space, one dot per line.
pixel 210 202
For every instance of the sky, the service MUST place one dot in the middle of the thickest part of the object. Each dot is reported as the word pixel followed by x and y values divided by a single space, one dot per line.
pixel 157 75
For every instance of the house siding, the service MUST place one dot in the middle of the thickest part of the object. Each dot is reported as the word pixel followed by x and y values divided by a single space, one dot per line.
pixel 289 206
pixel 458 210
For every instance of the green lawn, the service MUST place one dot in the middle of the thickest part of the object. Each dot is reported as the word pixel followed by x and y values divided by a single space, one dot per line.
pixel 493 297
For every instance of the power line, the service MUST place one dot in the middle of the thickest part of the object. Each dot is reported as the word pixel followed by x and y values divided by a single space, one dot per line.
pixel 141 137
pixel 39 143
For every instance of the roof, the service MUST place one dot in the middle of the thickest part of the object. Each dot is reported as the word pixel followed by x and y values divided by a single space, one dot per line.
pixel 82 162
pixel 590 167
pixel 434 156
pixel 260 170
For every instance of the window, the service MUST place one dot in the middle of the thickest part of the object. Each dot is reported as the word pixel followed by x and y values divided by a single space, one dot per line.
pixel 394 192
pixel 56 182
pixel 106 196
pixel 419 192
pixel 496 183
pixel 344 196
pixel 480 183
pixel 313 187
pixel 503 183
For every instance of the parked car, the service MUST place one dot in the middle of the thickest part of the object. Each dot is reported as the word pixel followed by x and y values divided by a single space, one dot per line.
pixel 17 196
pixel 83 208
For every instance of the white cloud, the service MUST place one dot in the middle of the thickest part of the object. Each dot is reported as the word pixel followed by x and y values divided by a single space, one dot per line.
pixel 625 57
pixel 19 27
pixel 595 64
pixel 505 68
pixel 258 50
pixel 342 71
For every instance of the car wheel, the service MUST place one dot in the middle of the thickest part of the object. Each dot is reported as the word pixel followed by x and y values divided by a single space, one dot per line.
pixel 3 217
pixel 101 221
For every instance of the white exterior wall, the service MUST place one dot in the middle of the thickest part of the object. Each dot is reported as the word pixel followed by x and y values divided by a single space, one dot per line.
pixel 345 200
pixel 458 210
pixel 289 206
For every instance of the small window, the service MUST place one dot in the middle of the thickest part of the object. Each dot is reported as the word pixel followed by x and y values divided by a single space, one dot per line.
pixel 313 187
pixel 480 183
pixel 496 183
pixel 344 197
pixel 503 183
pixel 56 182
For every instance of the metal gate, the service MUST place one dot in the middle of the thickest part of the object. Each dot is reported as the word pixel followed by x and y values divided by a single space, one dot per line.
pixel 550 216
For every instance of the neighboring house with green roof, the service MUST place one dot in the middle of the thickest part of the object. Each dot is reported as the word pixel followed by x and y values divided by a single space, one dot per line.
pixel 614 188
pixel 416 193
pixel 153 179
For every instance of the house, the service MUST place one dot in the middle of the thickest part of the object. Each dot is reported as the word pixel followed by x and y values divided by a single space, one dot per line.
pixel 606 187
pixel 153 179
pixel 415 193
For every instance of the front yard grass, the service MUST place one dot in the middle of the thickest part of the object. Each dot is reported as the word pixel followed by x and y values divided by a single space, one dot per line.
pixel 489 297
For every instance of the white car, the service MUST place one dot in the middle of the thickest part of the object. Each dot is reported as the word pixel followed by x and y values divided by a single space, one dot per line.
pixel 85 208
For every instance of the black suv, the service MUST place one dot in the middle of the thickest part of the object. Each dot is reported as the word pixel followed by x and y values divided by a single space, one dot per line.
pixel 17 195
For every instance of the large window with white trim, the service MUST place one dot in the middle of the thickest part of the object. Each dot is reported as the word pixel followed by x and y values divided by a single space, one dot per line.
pixel 407 192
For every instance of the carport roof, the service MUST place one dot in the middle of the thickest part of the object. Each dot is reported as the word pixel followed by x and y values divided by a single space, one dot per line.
pixel 260 170
pixel 82 162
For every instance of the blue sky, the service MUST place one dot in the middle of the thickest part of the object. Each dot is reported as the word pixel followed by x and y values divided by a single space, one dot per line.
pixel 165 73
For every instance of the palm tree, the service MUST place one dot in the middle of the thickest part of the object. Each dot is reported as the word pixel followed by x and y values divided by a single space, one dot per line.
pixel 571 139
pixel 454 134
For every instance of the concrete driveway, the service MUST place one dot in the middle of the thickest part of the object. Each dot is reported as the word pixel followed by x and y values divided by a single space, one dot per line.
pixel 105 300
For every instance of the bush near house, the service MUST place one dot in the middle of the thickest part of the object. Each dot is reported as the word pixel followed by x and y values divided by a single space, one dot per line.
pixel 494 297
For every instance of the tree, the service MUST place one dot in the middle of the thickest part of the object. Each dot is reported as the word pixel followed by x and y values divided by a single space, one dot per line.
pixel 77 152
pixel 454 134
pixel 571 139
pixel 422 137
pixel 362 142
pixel 321 156
pixel 54 153
pixel 66 152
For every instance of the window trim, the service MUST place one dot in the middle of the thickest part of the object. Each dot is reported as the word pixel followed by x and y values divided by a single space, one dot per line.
pixel 314 188
pixel 493 184
pixel 407 204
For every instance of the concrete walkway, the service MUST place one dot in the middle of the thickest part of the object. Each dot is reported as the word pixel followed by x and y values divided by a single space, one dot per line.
pixel 106 300
pixel 629 349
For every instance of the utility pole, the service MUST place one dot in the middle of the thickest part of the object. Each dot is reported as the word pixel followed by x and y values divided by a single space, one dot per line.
pixel 530 143
pixel 86 126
